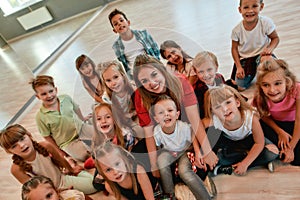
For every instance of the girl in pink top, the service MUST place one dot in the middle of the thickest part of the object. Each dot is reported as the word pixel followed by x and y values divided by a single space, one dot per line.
pixel 278 102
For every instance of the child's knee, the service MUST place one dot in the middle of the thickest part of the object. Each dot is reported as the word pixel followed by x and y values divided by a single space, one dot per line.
pixel 273 148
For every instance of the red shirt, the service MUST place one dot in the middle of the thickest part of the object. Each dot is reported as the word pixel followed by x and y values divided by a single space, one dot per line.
pixel 188 99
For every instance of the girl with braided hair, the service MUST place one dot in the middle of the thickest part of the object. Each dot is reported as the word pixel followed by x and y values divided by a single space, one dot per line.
pixel 31 158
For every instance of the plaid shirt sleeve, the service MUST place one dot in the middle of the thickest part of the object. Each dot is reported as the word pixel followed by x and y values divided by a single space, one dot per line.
pixel 147 41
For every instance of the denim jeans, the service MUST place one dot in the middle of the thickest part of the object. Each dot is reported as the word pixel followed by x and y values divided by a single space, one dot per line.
pixel 188 176
pixel 245 82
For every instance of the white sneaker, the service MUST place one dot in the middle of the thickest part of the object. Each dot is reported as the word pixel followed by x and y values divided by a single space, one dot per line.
pixel 271 167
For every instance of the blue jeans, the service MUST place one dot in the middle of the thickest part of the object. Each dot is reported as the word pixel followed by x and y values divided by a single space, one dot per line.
pixel 245 82
pixel 188 176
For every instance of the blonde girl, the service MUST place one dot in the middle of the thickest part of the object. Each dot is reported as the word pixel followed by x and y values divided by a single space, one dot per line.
pixel 31 158
pixel 121 93
pixel 241 134
pixel 278 102
pixel 109 129
pixel 124 178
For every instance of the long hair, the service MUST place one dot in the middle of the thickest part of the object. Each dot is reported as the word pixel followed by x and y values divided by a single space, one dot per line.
pixel 117 108
pixel 83 60
pixel 172 44
pixel 271 65
pixel 99 138
pixel 117 66
pixel 107 148
pixel 10 136
pixel 173 84
pixel 217 95
pixel 33 183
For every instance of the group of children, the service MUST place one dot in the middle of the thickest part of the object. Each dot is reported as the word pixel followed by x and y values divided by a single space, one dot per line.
pixel 158 125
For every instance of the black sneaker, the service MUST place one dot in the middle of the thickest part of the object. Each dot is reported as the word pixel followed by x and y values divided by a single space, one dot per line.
pixel 221 169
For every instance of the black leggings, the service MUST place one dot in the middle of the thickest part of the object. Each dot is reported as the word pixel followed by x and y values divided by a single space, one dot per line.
pixel 272 135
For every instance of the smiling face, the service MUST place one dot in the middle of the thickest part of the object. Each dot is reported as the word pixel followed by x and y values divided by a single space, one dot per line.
pixel 87 70
pixel 113 167
pixel 120 24
pixel 228 110
pixel 250 10
pixel 43 192
pixel 104 121
pixel 152 79
pixel 166 114
pixel 114 79
pixel 47 94
pixel 174 55
pixel 23 148
pixel 206 72
pixel 274 85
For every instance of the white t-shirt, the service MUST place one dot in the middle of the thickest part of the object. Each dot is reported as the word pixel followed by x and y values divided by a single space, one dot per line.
pixel 132 48
pixel 240 133
pixel 251 43
pixel 178 141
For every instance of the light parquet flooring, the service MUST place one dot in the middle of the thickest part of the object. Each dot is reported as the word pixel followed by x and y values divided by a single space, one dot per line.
pixel 196 25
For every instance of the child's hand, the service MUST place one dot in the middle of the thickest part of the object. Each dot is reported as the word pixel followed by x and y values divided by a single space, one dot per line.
pixel 240 73
pixel 265 58
pixel 76 170
pixel 211 159
pixel 89 116
pixel 240 168
pixel 284 140
pixel 199 161
pixel 288 155
pixel 267 51
pixel 71 161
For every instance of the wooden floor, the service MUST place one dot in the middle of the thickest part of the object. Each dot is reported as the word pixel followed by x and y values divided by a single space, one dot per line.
pixel 195 24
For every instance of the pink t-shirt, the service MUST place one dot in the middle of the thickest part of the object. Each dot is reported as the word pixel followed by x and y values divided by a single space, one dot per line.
pixel 188 99
pixel 286 109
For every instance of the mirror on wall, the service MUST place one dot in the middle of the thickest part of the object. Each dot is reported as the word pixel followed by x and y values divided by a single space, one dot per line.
pixel 21 55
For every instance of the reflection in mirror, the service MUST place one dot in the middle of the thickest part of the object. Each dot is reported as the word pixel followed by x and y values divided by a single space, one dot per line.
pixel 45 41
pixel 21 57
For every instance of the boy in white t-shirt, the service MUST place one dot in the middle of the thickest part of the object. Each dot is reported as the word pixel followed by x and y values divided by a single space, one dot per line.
pixel 173 137
pixel 130 43
pixel 253 37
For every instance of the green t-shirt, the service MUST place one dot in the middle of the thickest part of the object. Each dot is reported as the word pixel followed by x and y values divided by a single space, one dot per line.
pixel 63 126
